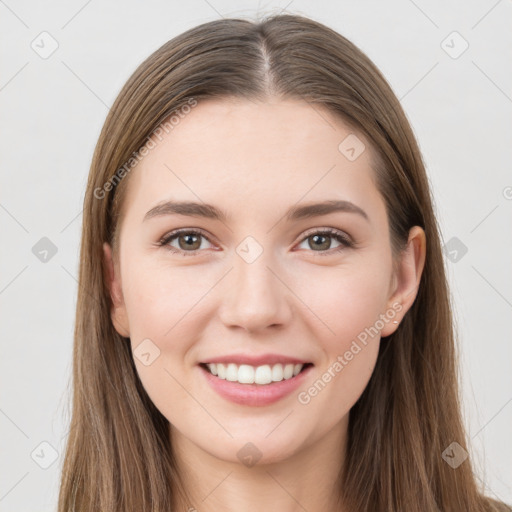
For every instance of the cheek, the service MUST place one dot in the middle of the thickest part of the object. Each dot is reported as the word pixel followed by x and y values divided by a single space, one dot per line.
pixel 161 301
pixel 163 306
pixel 166 311
pixel 351 305
pixel 345 302
pixel 339 384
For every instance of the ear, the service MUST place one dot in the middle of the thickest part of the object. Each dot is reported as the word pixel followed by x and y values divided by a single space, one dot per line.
pixel 113 279
pixel 406 279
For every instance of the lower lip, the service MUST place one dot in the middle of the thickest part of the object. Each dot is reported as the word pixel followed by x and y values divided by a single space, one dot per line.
pixel 255 394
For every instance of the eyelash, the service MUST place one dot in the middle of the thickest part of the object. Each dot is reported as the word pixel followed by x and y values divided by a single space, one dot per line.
pixel 337 235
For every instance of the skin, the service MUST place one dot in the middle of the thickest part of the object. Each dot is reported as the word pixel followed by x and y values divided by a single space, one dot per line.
pixel 298 298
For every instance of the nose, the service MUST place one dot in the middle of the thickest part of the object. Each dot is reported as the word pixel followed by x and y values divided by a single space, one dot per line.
pixel 255 295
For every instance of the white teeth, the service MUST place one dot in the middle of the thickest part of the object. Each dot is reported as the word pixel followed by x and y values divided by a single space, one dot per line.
pixel 246 374
pixel 277 372
pixel 232 372
pixel 288 371
pixel 263 374
pixel 221 371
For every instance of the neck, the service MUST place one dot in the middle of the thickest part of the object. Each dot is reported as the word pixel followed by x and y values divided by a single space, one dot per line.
pixel 306 480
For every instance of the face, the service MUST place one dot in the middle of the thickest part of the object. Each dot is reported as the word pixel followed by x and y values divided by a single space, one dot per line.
pixel 257 287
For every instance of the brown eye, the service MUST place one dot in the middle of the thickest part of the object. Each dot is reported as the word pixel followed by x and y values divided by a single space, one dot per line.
pixel 321 241
pixel 189 242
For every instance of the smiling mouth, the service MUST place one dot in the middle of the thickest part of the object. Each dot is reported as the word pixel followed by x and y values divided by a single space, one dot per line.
pixel 246 374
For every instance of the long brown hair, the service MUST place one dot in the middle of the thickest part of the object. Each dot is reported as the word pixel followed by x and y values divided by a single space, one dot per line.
pixel 119 456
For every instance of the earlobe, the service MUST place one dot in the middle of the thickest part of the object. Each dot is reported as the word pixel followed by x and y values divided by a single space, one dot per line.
pixel 407 279
pixel 112 278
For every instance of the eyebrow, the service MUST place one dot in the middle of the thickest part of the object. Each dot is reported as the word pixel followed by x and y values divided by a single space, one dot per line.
pixel 305 211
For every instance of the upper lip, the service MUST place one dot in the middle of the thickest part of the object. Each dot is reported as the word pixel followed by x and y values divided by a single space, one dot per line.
pixel 260 360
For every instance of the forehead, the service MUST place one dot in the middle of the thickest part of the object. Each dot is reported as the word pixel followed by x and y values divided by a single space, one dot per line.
pixel 252 157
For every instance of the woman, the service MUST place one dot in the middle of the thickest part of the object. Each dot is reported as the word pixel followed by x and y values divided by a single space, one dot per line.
pixel 263 317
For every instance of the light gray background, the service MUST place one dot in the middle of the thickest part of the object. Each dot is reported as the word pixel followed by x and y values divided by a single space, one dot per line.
pixel 52 111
